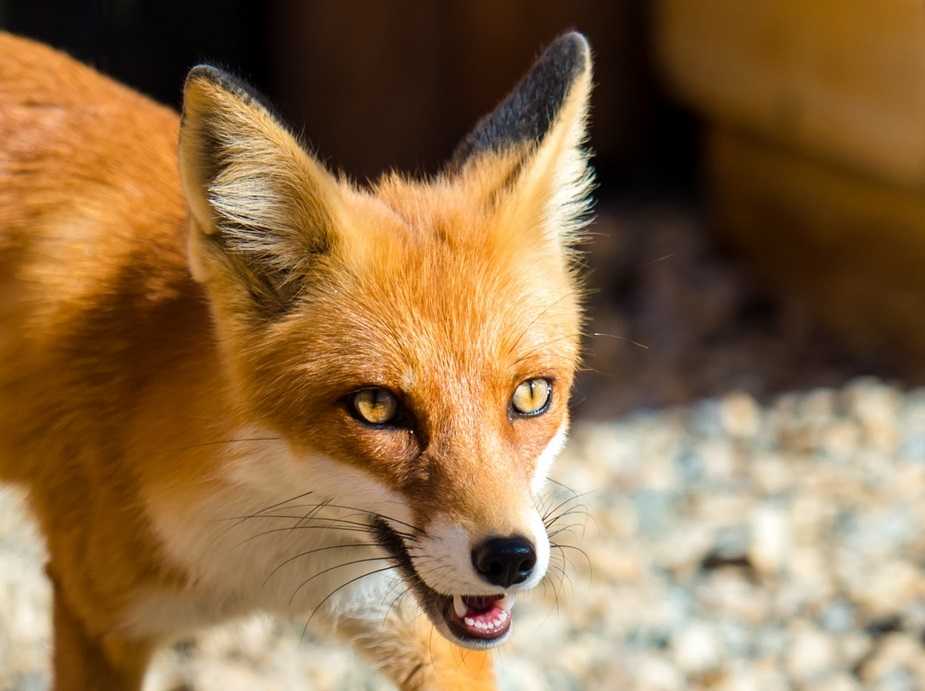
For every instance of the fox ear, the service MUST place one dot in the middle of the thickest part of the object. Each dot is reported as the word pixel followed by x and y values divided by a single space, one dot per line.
pixel 535 137
pixel 261 205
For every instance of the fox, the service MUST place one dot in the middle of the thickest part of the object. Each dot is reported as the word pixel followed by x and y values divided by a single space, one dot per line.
pixel 233 381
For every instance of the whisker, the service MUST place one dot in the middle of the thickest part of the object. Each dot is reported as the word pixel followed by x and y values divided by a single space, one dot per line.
pixel 561 484
pixel 622 338
pixel 562 556
pixel 334 568
pixel 338 589
pixel 566 502
pixel 395 601
pixel 329 519
pixel 542 345
pixel 301 527
pixel 365 512
pixel 657 260
pixel 580 510
pixel 269 508
pixel 283 503
pixel 560 547
pixel 222 441
pixel 314 551
pixel 555 593
pixel 570 526
pixel 564 575
pixel 312 512
pixel 535 320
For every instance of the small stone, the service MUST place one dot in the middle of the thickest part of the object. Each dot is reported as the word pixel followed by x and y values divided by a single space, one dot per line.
pixel 838 617
pixel 839 682
pixel 654 673
pixel 875 406
pixel 771 539
pixel 853 648
pixel 839 439
pixel 770 473
pixel 740 416
pixel 771 642
pixel 697 649
pixel 719 460
pixel 685 547
pixel 730 594
pixel 890 587
pixel 897 664
pixel 811 654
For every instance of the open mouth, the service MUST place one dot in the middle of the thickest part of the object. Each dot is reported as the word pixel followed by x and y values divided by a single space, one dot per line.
pixel 479 617
pixel 473 621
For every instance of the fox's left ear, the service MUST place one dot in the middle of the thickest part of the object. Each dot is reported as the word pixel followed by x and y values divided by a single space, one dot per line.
pixel 529 154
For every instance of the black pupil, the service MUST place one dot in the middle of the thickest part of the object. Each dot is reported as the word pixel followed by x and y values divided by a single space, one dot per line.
pixel 379 404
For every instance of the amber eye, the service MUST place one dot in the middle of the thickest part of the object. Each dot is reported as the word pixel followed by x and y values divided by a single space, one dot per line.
pixel 375 406
pixel 531 397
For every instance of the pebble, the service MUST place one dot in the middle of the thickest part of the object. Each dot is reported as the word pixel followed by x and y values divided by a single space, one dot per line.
pixel 770 538
pixel 697 649
pixel 811 655
pixel 740 415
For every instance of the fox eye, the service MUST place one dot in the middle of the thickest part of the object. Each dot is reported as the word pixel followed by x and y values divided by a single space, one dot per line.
pixel 531 397
pixel 375 406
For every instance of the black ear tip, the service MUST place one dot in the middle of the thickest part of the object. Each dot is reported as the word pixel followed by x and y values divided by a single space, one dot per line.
pixel 531 108
pixel 222 79
pixel 210 73
pixel 230 83
pixel 570 50
pixel 573 41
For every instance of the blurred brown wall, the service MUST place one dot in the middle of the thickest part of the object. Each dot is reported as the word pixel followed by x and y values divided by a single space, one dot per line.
pixel 396 83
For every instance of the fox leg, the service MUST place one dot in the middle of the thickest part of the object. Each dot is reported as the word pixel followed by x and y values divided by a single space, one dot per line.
pixel 82 662
pixel 417 657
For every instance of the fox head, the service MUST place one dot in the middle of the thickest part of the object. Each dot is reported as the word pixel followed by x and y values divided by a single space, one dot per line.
pixel 411 344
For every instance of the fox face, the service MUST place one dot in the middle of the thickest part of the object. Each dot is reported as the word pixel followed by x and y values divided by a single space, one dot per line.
pixel 408 348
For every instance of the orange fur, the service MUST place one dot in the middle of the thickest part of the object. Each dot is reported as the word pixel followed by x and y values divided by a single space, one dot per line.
pixel 123 377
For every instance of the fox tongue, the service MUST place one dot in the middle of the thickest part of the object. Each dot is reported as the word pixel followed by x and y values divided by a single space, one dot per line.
pixel 472 605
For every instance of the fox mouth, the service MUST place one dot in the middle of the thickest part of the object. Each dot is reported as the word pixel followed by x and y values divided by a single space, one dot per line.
pixel 472 621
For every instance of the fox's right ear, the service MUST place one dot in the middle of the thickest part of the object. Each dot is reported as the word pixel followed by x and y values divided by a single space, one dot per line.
pixel 262 207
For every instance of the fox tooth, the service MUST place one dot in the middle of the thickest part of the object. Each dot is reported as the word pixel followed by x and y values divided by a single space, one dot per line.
pixel 459 606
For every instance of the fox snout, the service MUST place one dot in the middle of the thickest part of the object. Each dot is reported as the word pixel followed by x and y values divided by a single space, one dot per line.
pixel 467 578
pixel 485 561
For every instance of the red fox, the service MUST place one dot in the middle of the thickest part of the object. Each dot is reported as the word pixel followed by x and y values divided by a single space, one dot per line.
pixel 231 381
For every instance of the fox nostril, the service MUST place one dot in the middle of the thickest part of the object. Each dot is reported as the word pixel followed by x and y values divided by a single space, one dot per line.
pixel 504 561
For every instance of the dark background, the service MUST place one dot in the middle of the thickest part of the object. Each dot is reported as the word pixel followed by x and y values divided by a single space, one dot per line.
pixel 377 84
pixel 374 85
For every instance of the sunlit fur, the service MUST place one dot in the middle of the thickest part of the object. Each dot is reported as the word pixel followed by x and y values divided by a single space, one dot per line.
pixel 175 358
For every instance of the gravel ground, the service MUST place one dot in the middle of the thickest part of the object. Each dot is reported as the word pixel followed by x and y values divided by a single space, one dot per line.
pixel 730 545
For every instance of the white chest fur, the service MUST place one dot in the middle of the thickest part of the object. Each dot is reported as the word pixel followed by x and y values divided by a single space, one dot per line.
pixel 276 533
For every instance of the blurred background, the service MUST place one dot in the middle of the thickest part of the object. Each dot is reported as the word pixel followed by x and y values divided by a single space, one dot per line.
pixel 727 142
pixel 749 421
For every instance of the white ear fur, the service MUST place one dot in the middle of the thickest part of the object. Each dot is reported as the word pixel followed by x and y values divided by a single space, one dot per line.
pixel 558 176
pixel 257 198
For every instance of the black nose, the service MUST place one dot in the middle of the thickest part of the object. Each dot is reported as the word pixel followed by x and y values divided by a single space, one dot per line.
pixel 504 561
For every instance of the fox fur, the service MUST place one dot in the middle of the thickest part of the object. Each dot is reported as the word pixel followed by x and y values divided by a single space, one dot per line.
pixel 180 325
